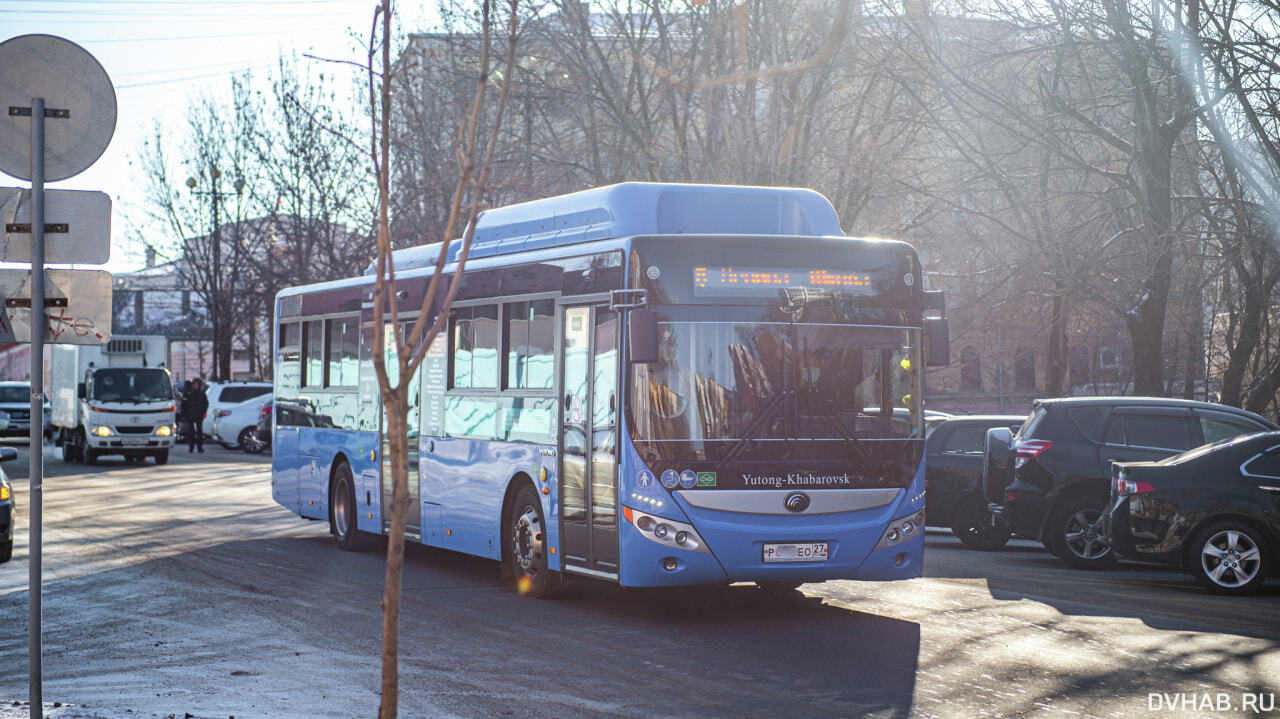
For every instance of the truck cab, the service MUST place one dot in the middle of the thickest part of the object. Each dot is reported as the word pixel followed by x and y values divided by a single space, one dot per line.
pixel 116 400
pixel 127 411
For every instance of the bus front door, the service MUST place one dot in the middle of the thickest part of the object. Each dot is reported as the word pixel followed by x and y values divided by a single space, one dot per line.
pixel 413 523
pixel 589 441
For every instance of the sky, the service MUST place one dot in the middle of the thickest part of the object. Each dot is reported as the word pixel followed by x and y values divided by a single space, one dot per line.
pixel 160 53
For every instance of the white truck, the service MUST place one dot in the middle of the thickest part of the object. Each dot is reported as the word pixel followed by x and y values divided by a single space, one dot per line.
pixel 113 399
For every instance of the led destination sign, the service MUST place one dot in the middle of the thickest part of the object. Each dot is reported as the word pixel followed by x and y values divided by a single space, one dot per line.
pixel 767 281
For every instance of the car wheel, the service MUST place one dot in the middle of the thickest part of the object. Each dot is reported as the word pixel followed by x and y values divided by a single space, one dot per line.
pixel 343 510
pixel 527 551
pixel 242 441
pixel 975 527
pixel 68 450
pixel 6 551
pixel 1230 557
pixel 87 453
pixel 1074 534
pixel 253 445
pixel 162 457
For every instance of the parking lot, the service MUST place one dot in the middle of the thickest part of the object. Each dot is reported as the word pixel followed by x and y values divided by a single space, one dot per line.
pixel 184 589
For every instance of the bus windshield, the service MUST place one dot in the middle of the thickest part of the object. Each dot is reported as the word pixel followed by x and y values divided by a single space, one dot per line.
pixel 760 381
pixel 131 385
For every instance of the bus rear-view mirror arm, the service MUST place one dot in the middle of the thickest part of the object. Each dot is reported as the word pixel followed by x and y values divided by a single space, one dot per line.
pixel 642 336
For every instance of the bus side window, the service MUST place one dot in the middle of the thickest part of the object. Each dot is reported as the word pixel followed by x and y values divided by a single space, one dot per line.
pixel 289 357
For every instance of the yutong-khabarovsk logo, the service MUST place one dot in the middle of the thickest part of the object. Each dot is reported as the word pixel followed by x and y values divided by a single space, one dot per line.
pixel 796 479
pixel 796 502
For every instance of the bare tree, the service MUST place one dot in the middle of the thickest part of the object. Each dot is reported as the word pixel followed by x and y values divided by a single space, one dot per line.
pixel 474 155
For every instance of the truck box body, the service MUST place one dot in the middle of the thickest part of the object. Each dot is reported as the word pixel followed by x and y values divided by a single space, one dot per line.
pixel 70 362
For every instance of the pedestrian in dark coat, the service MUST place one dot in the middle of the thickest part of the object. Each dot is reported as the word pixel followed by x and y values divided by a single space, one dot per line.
pixel 195 404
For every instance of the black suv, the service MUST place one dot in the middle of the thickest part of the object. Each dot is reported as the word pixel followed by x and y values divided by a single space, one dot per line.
pixel 953 479
pixel 1051 480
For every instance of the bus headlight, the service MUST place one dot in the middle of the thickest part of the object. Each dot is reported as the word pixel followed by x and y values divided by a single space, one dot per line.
pixel 101 430
pixel 901 529
pixel 164 430
pixel 665 531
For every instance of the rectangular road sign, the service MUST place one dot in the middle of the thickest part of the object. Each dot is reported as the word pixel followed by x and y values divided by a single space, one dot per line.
pixel 77 302
pixel 77 226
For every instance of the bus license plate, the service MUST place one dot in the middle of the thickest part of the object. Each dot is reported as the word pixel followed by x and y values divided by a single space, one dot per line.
pixel 130 442
pixel 795 552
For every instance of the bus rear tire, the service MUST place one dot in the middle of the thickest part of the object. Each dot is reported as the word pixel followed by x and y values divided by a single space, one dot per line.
pixel 527 550
pixel 343 511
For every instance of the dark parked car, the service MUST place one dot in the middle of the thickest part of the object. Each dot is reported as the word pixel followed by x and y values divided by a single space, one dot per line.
pixel 1214 510
pixel 1051 481
pixel 7 513
pixel 286 415
pixel 953 477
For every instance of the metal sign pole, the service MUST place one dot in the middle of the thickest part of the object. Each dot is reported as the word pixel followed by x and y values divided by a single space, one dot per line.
pixel 38 324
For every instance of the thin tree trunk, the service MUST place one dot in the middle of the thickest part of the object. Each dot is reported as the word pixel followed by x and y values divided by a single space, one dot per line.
pixel 397 439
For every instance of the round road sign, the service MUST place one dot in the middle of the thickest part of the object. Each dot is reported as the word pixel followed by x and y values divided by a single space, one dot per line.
pixel 80 105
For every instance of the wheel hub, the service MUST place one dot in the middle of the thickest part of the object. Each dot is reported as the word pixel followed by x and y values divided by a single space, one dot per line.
pixel 527 540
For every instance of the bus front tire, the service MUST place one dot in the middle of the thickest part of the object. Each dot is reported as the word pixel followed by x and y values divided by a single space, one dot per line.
pixel 527 549
pixel 343 512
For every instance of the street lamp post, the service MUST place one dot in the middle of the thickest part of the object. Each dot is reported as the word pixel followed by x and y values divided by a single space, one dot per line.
pixel 215 291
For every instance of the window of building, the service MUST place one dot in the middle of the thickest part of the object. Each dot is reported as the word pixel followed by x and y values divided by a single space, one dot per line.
pixel 530 347
pixel 344 352
pixel 475 347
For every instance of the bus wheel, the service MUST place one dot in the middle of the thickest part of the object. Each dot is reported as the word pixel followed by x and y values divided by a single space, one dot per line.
pixel 528 550
pixel 342 510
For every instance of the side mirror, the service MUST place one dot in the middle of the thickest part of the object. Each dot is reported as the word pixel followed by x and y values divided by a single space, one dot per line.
pixel 642 336
pixel 937 342
pixel 8 454
pixel 80 390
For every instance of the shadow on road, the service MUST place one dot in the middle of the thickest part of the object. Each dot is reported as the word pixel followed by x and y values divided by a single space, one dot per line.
pixel 1162 597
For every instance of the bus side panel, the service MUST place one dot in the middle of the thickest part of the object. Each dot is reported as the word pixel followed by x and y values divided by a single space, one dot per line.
pixel 472 478
pixel 285 465
pixel 317 449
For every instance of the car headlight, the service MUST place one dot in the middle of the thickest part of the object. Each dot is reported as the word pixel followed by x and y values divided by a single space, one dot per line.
pixel 164 430
pixel 101 430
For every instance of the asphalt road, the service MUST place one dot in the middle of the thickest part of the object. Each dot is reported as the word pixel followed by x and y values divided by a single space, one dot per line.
pixel 185 590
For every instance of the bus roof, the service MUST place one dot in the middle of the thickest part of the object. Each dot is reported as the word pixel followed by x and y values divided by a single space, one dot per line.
pixel 638 208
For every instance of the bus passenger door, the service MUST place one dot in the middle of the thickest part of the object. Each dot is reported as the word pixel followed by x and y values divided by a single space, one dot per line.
pixel 413 522
pixel 589 440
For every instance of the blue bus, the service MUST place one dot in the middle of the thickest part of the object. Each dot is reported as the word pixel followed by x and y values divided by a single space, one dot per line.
pixel 650 384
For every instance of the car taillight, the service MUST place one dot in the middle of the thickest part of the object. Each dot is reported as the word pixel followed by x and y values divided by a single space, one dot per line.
pixel 1012 496
pixel 222 413
pixel 265 410
pixel 1028 449
pixel 1121 487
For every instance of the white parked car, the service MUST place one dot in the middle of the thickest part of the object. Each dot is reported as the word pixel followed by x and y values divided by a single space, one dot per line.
pixel 232 423
pixel 225 395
